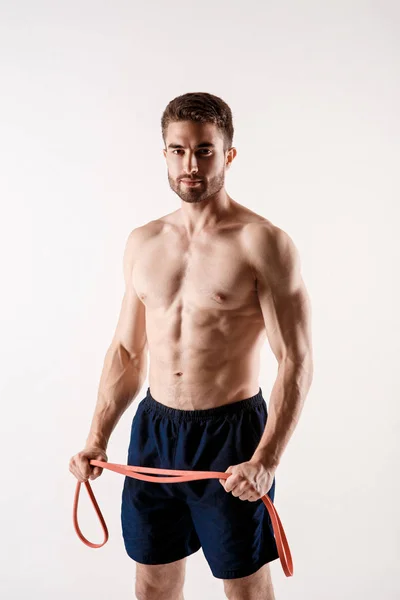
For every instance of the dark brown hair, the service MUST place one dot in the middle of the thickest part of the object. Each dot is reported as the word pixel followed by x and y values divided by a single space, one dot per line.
pixel 202 108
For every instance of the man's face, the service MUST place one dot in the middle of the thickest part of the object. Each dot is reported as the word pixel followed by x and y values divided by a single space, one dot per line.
pixel 194 151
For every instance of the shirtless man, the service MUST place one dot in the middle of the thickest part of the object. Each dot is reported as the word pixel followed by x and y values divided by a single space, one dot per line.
pixel 205 285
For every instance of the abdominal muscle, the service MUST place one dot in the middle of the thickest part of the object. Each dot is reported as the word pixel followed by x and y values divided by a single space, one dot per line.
pixel 204 323
pixel 204 368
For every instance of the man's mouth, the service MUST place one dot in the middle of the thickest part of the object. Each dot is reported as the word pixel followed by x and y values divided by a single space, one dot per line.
pixel 191 182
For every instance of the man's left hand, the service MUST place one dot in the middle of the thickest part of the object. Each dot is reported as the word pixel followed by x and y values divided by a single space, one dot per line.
pixel 250 480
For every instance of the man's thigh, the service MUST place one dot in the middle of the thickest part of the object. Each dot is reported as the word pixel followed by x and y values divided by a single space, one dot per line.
pixel 257 586
pixel 164 579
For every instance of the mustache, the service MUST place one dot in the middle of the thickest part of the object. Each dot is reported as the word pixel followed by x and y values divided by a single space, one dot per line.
pixel 190 179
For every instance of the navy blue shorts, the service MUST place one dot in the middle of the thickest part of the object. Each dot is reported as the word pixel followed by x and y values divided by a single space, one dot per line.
pixel 164 522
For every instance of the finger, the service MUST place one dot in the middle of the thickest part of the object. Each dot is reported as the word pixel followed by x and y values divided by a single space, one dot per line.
pixel 224 481
pixel 246 495
pixel 81 477
pixel 242 488
pixel 75 470
pixel 232 482
pixel 96 472
pixel 83 470
pixel 254 497
pixel 78 475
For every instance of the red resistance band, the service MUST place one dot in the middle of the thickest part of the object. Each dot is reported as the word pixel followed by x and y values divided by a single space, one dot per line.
pixel 180 476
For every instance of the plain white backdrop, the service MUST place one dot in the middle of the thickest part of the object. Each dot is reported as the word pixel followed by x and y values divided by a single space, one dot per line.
pixel 314 88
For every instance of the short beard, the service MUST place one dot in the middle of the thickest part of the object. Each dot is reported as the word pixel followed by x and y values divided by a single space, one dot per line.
pixel 194 195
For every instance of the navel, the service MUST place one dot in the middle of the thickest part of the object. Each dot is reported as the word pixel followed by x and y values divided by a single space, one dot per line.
pixel 220 297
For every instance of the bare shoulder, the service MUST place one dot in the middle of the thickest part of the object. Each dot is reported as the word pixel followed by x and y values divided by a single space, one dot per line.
pixel 265 235
pixel 272 253
pixel 135 243
pixel 139 235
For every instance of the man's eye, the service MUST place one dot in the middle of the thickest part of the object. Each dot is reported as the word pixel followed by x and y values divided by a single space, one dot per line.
pixel 203 150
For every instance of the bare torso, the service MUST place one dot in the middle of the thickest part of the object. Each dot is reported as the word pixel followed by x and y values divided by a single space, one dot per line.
pixel 204 323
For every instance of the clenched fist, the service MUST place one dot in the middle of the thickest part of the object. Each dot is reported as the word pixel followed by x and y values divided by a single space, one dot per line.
pixel 80 467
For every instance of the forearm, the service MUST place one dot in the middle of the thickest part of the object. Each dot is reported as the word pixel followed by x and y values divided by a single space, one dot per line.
pixel 122 378
pixel 285 406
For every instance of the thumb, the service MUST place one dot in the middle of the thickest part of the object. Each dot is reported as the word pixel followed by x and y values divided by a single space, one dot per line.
pixel 96 471
pixel 223 481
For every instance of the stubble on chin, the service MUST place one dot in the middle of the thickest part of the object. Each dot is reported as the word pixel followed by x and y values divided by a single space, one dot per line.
pixel 176 186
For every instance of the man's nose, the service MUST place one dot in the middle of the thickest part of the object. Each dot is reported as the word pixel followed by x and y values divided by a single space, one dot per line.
pixel 190 164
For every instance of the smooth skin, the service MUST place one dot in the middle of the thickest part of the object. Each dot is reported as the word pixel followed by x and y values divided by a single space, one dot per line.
pixel 206 285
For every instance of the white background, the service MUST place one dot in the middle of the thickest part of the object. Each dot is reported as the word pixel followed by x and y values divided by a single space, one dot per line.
pixel 314 88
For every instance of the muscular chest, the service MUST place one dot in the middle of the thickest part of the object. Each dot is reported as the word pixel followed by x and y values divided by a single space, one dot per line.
pixel 208 274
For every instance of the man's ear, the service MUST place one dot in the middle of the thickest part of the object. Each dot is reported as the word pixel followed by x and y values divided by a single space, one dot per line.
pixel 230 156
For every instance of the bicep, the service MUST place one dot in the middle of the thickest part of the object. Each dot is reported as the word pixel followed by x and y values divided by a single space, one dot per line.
pixel 130 331
pixel 284 300
pixel 287 318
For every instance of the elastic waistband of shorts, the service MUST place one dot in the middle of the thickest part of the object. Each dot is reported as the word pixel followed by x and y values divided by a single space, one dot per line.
pixel 150 404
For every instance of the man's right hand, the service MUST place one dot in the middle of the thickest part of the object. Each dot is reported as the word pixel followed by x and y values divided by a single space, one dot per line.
pixel 80 467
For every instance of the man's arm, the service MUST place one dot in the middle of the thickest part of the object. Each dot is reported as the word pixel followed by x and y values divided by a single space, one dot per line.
pixel 125 363
pixel 286 310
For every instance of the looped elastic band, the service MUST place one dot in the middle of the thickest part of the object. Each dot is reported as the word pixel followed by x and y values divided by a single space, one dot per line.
pixel 176 476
